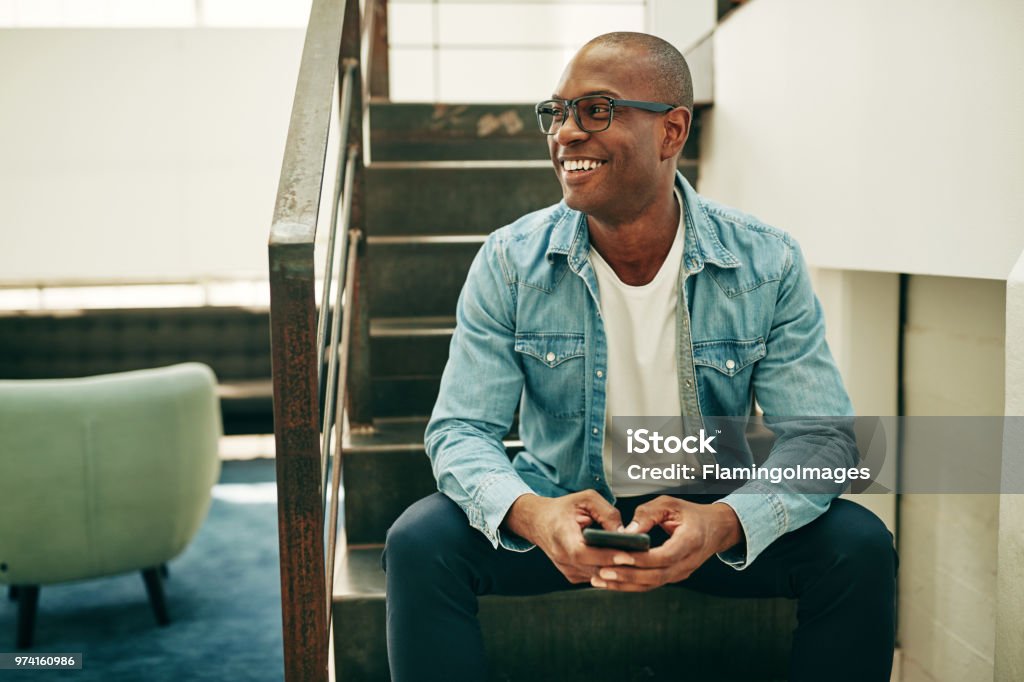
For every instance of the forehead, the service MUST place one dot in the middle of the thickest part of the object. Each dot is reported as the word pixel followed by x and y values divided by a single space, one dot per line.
pixel 621 71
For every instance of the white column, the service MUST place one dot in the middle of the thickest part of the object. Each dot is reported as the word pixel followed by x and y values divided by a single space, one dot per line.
pixel 1010 567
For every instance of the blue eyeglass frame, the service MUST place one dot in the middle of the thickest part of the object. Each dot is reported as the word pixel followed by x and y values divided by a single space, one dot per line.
pixel 570 105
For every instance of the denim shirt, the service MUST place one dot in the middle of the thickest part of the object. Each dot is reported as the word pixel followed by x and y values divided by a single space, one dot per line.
pixel 529 334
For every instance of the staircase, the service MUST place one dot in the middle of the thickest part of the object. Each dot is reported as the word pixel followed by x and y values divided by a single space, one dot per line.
pixel 442 177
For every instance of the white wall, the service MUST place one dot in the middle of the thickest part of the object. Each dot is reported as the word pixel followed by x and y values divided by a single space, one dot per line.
pixel 885 135
pixel 140 155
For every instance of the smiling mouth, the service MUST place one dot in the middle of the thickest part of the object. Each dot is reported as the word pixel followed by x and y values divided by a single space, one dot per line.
pixel 575 166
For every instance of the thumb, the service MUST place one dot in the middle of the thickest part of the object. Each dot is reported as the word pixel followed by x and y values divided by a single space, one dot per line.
pixel 603 512
pixel 645 517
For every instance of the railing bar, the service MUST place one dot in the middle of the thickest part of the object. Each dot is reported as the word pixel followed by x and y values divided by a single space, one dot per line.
pixel 346 335
pixel 346 96
pixel 330 404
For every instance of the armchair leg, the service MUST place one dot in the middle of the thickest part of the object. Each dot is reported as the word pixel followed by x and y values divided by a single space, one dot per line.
pixel 28 600
pixel 155 590
pixel 164 571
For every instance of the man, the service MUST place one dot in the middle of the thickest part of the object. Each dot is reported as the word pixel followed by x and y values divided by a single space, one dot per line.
pixel 633 296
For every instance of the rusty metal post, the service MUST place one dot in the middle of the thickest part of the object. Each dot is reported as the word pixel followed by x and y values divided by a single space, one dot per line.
pixel 379 67
pixel 294 353
pixel 300 515
pixel 360 396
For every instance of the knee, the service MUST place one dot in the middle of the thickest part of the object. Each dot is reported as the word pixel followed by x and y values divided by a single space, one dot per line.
pixel 430 529
pixel 860 543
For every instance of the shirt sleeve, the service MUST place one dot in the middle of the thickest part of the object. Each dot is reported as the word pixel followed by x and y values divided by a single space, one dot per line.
pixel 480 388
pixel 798 386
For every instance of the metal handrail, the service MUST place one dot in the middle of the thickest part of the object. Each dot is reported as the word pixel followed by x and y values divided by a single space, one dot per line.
pixel 346 336
pixel 344 173
pixel 330 403
pixel 303 432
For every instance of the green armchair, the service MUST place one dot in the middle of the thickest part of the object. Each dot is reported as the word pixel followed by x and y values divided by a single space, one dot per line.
pixel 103 475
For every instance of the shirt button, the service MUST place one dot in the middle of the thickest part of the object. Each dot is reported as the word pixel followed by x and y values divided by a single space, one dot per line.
pixel 550 357
pixel 595 430
pixel 597 478
pixel 600 374
pixel 729 364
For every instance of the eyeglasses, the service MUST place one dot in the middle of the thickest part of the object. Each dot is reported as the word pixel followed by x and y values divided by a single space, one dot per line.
pixel 592 113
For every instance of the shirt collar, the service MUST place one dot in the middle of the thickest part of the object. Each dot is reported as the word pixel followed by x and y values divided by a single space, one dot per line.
pixel 701 245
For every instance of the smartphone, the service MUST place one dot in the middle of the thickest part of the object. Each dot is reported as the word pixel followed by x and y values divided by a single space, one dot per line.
pixel 630 542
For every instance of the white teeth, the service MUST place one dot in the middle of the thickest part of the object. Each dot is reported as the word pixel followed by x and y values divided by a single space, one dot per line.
pixel 581 164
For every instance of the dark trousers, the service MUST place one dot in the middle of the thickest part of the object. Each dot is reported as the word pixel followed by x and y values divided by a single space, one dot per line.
pixel 841 567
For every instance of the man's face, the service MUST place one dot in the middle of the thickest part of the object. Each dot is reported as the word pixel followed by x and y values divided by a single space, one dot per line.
pixel 628 154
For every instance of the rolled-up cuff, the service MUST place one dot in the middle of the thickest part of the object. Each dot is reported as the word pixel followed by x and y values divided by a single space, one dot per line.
pixel 763 518
pixel 492 502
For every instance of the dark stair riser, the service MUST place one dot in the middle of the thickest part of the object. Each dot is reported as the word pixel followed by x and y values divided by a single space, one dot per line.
pixel 431 200
pixel 449 132
pixel 424 200
pixel 403 356
pixel 405 396
pixel 379 486
pixel 409 279
pixel 592 635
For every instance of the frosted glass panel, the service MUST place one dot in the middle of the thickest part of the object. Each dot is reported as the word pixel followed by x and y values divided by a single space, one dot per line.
pixel 500 75
pixel 255 12
pixel 534 24
pixel 410 24
pixel 491 50
pixel 412 74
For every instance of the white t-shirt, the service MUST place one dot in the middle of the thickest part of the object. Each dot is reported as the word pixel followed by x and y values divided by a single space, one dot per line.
pixel 640 325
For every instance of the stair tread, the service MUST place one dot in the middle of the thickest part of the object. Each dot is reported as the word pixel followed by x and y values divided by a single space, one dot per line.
pixel 438 325
pixel 394 434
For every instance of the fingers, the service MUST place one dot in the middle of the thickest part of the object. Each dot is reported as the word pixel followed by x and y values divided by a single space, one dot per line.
pixel 600 510
pixel 646 517
pixel 625 579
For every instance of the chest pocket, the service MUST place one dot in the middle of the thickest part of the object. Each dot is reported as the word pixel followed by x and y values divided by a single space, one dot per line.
pixel 728 356
pixel 553 365
pixel 724 372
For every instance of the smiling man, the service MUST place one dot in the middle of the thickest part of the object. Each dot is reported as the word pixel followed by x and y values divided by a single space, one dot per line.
pixel 633 296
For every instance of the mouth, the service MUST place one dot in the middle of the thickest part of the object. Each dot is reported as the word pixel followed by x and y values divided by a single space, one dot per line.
pixel 580 167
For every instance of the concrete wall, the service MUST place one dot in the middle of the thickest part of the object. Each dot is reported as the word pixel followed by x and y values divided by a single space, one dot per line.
pixel 884 135
pixel 141 155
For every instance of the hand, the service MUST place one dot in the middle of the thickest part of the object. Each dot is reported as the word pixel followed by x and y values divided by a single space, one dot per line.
pixel 696 532
pixel 555 524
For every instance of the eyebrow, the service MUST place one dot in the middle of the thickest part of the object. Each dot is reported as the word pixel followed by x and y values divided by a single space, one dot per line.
pixel 610 93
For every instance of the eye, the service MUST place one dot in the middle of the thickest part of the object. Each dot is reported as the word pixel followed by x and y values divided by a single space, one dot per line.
pixel 598 110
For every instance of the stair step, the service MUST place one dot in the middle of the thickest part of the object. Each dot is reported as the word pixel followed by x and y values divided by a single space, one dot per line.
pixel 582 634
pixel 459 197
pixel 384 473
pixel 410 278
pixel 401 131
pixel 413 131
pixel 401 347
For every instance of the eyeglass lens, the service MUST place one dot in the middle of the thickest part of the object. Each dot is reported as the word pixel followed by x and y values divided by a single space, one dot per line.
pixel 594 114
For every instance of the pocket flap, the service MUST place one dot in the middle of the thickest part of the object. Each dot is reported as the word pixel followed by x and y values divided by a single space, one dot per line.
pixel 728 356
pixel 551 348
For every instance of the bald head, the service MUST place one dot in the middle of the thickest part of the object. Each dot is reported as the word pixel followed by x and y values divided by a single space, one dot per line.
pixel 667 75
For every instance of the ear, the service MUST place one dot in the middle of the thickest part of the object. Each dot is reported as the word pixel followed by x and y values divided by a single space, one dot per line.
pixel 677 129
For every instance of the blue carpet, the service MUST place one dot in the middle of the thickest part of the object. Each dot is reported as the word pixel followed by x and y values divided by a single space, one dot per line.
pixel 223 596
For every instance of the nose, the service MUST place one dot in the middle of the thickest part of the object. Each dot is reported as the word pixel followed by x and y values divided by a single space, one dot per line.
pixel 569 132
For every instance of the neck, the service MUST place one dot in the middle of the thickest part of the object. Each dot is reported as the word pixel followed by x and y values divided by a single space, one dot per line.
pixel 636 248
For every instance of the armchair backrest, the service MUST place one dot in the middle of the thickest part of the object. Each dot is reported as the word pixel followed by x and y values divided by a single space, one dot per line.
pixel 103 475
